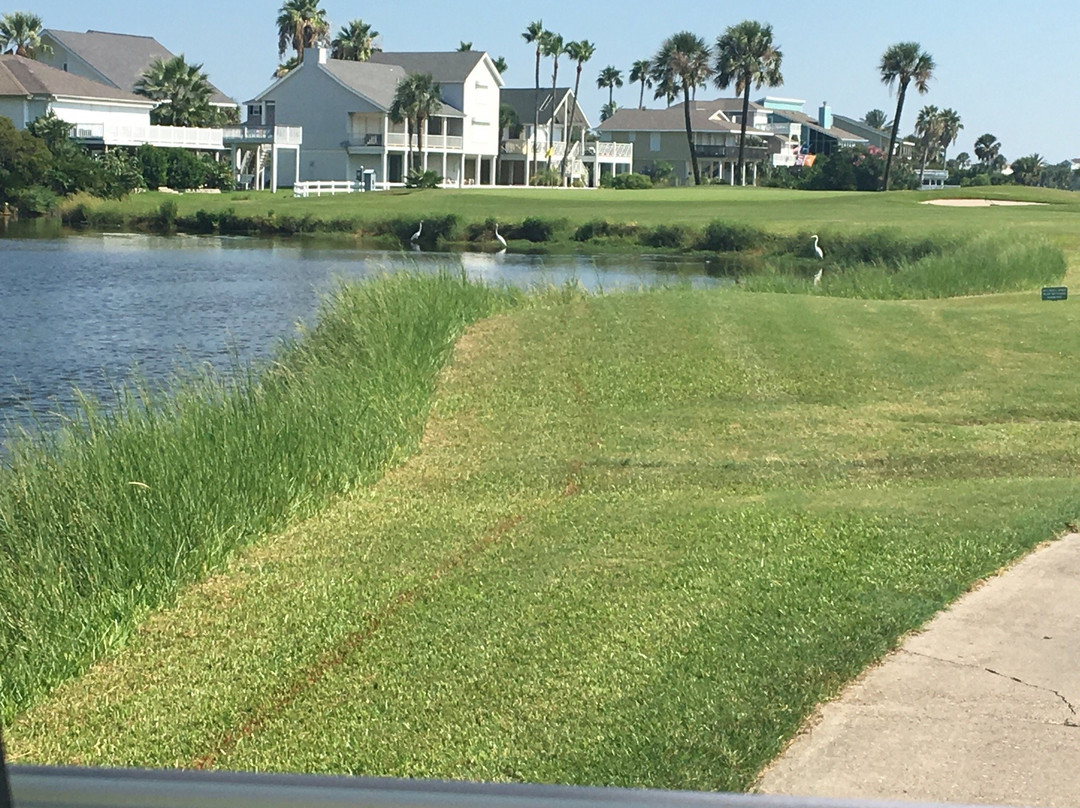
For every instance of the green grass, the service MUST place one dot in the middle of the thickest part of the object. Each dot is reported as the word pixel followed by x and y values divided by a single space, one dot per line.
pixel 105 519
pixel 643 537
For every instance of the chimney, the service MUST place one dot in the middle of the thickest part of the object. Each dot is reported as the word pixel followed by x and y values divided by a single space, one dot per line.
pixel 824 115
pixel 315 56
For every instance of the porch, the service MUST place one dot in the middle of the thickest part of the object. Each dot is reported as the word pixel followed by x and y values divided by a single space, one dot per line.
pixel 254 153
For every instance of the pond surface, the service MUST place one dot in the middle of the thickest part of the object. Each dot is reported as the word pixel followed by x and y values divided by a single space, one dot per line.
pixel 86 311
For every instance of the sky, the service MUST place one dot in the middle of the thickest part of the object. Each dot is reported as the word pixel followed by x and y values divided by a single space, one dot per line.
pixel 1008 68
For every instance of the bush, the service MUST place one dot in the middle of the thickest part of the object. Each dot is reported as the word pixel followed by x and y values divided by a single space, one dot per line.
pixel 546 177
pixel 532 229
pixel 35 199
pixel 165 218
pixel 602 228
pixel 185 170
pixel 665 236
pixel 725 237
pixel 626 182
pixel 121 174
pixel 425 179
pixel 218 173
pixel 154 165
pixel 977 180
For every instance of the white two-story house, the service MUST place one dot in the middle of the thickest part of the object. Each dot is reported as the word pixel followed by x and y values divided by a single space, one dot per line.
pixel 343 107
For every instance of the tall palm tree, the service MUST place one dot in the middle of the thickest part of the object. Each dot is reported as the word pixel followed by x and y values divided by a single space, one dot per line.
pixel 500 64
pixel 611 78
pixel 464 46
pixel 639 72
pixel 875 118
pixel 553 46
pixel 902 64
pixel 21 31
pixel 534 34
pixel 987 147
pixel 681 64
pixel 950 130
pixel 745 57
pixel 183 91
pixel 416 98
pixel 608 110
pixel 286 67
pixel 1028 170
pixel 301 24
pixel 581 52
pixel 354 42
pixel 928 134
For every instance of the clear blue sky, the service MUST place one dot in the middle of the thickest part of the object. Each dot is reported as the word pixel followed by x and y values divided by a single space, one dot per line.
pixel 1008 68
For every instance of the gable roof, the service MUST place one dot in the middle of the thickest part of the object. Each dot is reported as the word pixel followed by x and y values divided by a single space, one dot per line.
pixel 26 77
pixel 671 120
pixel 121 59
pixel 521 99
pixel 812 123
pixel 450 67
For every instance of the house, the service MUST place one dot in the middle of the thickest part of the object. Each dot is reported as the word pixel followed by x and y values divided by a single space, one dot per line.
pixel 659 136
pixel 819 135
pixel 343 107
pixel 588 160
pixel 118 60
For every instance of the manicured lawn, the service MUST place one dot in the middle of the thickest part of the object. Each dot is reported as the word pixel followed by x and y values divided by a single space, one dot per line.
pixel 644 535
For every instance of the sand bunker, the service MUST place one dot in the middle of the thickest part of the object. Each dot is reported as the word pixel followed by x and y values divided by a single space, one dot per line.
pixel 977 203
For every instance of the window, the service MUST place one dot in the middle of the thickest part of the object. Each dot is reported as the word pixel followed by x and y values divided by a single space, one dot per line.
pixel 654 141
pixel 631 136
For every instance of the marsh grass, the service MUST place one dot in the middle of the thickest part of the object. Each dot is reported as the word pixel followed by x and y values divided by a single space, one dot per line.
pixel 102 520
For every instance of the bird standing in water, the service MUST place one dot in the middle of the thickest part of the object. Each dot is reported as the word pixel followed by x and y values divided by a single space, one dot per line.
pixel 416 235
pixel 499 238
pixel 820 255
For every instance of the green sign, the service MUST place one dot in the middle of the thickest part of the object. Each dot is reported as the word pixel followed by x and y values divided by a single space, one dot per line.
pixel 1055 293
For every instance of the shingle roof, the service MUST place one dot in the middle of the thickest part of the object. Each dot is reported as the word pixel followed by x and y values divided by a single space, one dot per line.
pixel 811 123
pixel 521 99
pixel 451 67
pixel 667 120
pixel 376 82
pixel 21 76
pixel 120 58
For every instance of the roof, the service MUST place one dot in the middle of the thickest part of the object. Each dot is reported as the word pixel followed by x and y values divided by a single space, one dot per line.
pixel 22 76
pixel 522 98
pixel 375 82
pixel 812 123
pixel 672 120
pixel 120 58
pixel 446 67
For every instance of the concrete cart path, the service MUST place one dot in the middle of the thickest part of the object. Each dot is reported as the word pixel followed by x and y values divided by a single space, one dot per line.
pixel 981 706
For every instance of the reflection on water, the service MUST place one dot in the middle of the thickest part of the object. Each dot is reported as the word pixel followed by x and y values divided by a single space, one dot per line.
pixel 84 311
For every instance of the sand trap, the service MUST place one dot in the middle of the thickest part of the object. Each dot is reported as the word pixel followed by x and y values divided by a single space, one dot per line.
pixel 977 203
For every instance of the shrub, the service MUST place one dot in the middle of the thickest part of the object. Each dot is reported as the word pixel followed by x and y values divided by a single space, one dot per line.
pixel 977 180
pixel 185 170
pixel 154 165
pixel 664 235
pixel 425 179
pixel 626 182
pixel 602 228
pixel 546 177
pixel 165 218
pixel 34 199
pixel 532 229
pixel 726 237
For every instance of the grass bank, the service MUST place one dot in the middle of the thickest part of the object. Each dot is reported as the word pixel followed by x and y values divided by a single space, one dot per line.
pixel 643 537
pixel 104 520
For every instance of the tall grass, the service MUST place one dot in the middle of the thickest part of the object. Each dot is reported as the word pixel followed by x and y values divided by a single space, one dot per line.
pixel 106 518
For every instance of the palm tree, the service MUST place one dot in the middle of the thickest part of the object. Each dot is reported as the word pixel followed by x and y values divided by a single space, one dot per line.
pixel 745 57
pixel 1028 170
pixel 464 46
pixel 21 31
pixel 950 130
pixel 608 110
pixel 681 64
pixel 416 98
pixel 554 47
pixel 301 24
pixel 611 78
pixel 903 63
pixel 500 64
pixel 987 147
pixel 581 52
pixel 875 119
pixel 286 67
pixel 962 160
pixel 639 72
pixel 183 91
pixel 534 33
pixel 354 42
pixel 928 134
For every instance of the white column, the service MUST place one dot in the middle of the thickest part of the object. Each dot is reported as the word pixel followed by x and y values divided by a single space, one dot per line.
pixel 733 174
pixel 296 178
pixel 444 164
pixel 755 173
pixel 273 168
pixel 384 177
pixel 527 146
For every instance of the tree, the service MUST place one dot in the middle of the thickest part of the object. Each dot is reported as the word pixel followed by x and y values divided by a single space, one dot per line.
pixel 21 32
pixel 745 57
pixel 875 118
pixel 286 67
pixel 681 64
pixel 987 147
pixel 500 64
pixel 639 72
pixel 608 110
pixel 301 24
pixel 534 34
pixel 928 134
pixel 581 52
pixel 949 126
pixel 902 64
pixel 416 98
pixel 962 160
pixel 355 42
pixel 611 78
pixel 1028 170
pixel 464 46
pixel 554 47
pixel 182 90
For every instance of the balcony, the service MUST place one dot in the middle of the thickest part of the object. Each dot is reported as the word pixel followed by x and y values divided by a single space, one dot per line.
pixel 731 152
pixel 175 137
pixel 398 140
pixel 525 147
pixel 604 149
pixel 282 135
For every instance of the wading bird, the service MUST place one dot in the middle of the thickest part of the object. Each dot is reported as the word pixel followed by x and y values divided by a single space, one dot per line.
pixel 820 255
pixel 499 238
pixel 817 249
pixel 416 235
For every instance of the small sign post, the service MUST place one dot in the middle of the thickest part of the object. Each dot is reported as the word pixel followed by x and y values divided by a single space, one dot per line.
pixel 1055 293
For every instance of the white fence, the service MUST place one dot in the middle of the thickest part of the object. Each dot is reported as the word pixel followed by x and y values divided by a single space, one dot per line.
pixel 329 188
pixel 281 135
pixel 181 137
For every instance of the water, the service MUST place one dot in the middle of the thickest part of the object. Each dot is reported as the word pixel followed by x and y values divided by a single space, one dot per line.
pixel 87 311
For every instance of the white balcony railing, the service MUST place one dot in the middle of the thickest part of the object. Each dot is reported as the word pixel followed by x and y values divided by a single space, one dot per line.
pixel 542 150
pixel 602 148
pixel 398 139
pixel 183 137
pixel 282 135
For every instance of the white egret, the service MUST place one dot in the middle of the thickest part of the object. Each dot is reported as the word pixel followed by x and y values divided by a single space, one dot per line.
pixel 499 238
pixel 416 235
pixel 817 249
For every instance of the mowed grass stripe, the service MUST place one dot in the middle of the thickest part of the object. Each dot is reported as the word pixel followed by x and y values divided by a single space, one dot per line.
pixel 768 490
